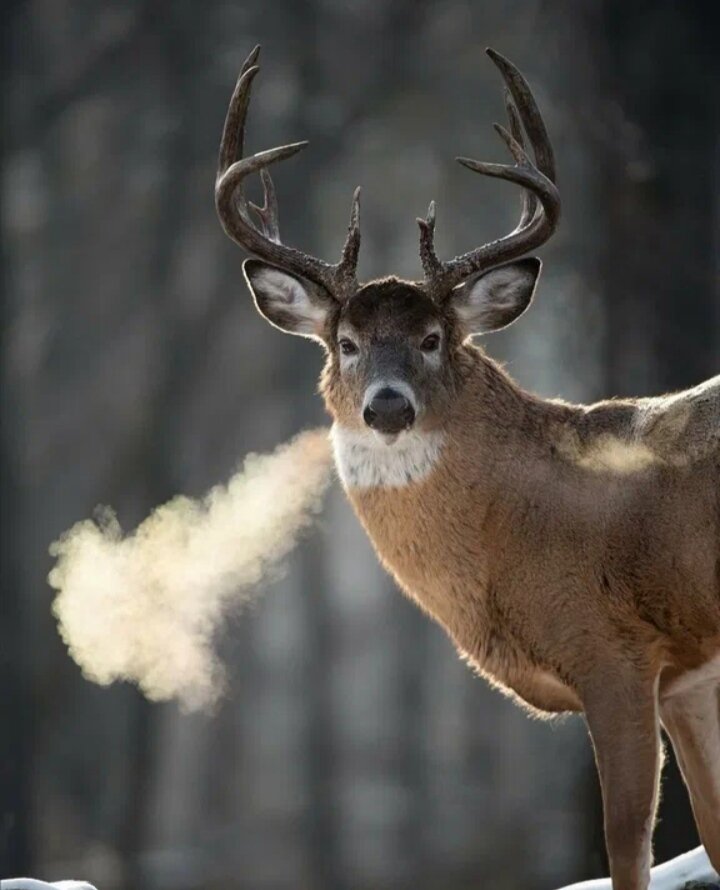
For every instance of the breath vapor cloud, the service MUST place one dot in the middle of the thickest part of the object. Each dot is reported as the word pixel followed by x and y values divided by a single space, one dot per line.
pixel 145 606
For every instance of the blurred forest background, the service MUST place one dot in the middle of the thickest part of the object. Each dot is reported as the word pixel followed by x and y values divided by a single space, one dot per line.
pixel 354 750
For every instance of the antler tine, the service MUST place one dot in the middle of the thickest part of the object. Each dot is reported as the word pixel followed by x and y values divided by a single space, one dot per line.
pixel 529 112
pixel 233 138
pixel 528 200
pixel 541 201
pixel 524 174
pixel 346 268
pixel 513 118
pixel 515 146
pixel 268 213
pixel 430 262
pixel 234 210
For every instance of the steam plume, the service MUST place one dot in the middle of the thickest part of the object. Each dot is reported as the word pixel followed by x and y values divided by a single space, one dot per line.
pixel 145 606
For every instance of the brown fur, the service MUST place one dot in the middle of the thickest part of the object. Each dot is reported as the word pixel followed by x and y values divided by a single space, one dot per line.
pixel 517 532
pixel 570 552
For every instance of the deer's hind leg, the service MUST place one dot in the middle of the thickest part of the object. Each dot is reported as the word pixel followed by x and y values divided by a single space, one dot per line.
pixel 692 720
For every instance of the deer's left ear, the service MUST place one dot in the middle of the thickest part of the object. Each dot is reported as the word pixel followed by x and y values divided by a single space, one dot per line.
pixel 492 300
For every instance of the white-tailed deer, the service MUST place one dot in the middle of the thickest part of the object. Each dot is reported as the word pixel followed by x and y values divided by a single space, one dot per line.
pixel 570 551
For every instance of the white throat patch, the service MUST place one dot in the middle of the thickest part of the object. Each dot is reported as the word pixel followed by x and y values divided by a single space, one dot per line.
pixel 364 460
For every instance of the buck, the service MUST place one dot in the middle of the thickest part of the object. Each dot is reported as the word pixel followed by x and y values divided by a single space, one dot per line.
pixel 569 551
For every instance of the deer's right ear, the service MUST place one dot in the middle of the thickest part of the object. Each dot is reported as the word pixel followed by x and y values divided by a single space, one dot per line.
pixel 292 304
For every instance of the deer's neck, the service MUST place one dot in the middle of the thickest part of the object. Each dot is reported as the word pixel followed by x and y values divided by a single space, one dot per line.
pixel 493 421
pixel 432 501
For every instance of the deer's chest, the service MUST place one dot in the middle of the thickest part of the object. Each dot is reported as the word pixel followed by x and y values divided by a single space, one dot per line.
pixel 428 533
pixel 406 499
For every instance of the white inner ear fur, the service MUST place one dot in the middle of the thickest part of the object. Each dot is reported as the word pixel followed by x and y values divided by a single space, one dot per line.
pixel 501 287
pixel 277 290
pixel 496 298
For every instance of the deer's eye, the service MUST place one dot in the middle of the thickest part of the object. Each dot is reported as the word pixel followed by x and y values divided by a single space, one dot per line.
pixel 347 347
pixel 430 343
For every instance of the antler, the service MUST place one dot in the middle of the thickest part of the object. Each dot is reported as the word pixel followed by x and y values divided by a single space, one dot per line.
pixel 263 239
pixel 541 200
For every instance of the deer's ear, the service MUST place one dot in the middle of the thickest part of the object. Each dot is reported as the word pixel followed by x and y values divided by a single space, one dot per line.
pixel 293 304
pixel 492 300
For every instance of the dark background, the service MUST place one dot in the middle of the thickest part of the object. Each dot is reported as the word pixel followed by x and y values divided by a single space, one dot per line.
pixel 354 750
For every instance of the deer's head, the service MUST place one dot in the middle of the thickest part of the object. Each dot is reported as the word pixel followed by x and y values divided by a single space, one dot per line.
pixel 394 348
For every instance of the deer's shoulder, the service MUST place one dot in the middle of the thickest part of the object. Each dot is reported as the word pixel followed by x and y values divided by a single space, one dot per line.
pixel 627 435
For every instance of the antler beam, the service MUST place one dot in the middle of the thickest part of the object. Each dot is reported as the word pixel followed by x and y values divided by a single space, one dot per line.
pixel 263 240
pixel 541 199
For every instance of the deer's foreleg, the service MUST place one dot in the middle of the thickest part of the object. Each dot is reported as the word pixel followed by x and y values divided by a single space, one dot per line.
pixel 692 720
pixel 623 721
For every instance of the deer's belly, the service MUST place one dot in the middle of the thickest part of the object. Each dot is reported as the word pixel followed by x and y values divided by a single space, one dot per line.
pixel 540 689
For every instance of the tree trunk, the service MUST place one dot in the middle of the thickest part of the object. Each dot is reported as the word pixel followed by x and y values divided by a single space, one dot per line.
pixel 16 735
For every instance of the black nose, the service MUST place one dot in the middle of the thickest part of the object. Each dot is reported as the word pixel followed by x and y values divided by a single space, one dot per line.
pixel 389 411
